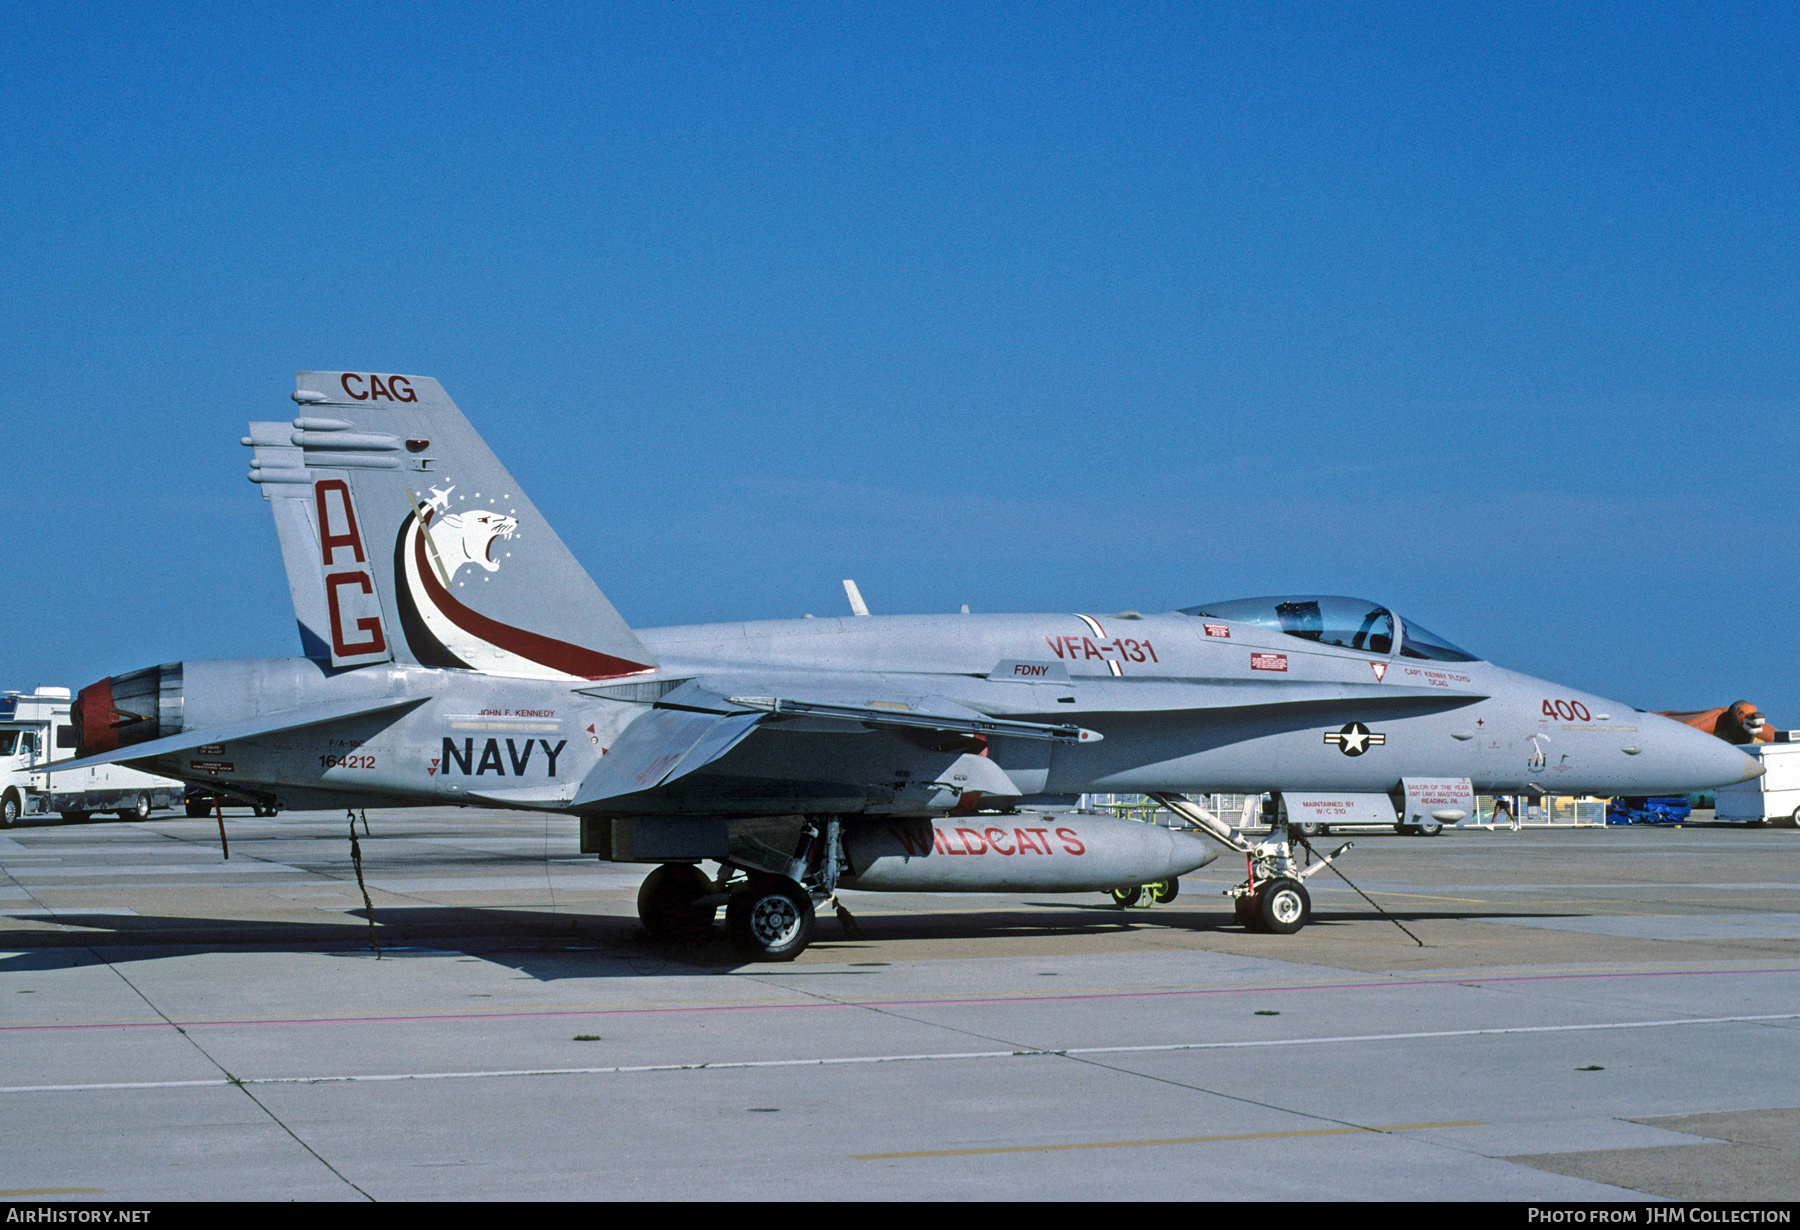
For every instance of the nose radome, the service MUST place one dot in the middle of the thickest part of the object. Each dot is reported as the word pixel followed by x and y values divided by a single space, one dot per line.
pixel 1709 761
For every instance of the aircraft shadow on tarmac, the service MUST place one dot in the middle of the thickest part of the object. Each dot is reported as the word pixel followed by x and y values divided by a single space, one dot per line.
pixel 551 947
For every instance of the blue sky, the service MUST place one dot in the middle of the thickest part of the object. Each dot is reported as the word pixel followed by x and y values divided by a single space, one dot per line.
pixel 1491 316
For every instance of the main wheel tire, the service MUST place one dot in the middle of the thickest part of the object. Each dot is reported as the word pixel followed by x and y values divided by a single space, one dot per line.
pixel 770 919
pixel 1248 911
pixel 11 808
pixel 668 902
pixel 1125 898
pixel 1167 891
pixel 198 809
pixel 1283 906
pixel 265 810
pixel 139 810
pixel 1793 821
pixel 1405 830
pixel 1427 828
pixel 1308 828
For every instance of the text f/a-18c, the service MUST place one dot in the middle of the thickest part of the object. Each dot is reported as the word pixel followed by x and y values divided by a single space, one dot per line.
pixel 456 652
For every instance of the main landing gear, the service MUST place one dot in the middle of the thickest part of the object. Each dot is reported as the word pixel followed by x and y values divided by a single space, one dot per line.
pixel 677 902
pixel 769 916
pixel 1272 896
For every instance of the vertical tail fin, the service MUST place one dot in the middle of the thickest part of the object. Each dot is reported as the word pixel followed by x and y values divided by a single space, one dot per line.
pixel 406 539
pixel 278 467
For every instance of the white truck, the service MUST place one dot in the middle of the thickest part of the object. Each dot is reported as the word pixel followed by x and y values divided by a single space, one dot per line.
pixel 1773 798
pixel 35 730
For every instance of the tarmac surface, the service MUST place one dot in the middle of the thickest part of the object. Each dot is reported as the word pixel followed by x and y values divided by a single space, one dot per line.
pixel 1592 1015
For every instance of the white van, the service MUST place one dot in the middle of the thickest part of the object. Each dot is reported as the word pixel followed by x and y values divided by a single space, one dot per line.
pixel 35 730
pixel 1773 798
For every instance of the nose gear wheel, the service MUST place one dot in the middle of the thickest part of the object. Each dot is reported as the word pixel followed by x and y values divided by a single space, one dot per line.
pixel 1283 906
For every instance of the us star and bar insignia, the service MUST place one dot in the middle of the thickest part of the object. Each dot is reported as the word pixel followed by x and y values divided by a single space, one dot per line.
pixel 1354 739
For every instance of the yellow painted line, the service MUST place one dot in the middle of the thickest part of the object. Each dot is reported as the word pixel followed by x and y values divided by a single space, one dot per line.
pixel 1609 907
pixel 54 1191
pixel 1712 901
pixel 1173 1140
pixel 1432 897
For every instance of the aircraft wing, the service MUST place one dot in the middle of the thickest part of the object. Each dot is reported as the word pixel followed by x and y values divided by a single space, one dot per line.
pixel 693 726
pixel 917 713
pixel 936 701
pixel 703 719
pixel 267 724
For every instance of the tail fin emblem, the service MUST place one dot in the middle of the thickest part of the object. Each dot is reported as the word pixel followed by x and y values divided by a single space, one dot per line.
pixel 434 545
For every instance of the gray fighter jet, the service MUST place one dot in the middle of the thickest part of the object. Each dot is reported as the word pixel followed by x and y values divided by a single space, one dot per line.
pixel 454 651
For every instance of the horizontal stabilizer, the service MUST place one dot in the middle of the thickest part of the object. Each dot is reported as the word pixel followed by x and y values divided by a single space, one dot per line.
pixel 659 747
pixel 249 728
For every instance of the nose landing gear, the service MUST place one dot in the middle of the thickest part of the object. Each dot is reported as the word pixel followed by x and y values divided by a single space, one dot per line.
pixel 1280 906
pixel 1273 896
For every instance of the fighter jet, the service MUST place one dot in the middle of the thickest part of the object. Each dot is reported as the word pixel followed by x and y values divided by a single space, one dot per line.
pixel 453 651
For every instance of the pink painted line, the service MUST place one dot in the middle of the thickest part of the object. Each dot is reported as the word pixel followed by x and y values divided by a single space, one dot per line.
pixel 1384 985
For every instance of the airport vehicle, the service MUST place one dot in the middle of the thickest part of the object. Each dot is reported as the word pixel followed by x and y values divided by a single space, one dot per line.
pixel 1773 798
pixel 32 730
pixel 455 651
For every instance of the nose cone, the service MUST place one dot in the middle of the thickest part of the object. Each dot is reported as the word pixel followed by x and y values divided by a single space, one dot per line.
pixel 1682 760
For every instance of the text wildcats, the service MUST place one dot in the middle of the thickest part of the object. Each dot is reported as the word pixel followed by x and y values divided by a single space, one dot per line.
pixel 980 841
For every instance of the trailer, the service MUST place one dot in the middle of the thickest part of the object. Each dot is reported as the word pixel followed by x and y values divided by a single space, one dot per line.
pixel 1773 798
pixel 35 731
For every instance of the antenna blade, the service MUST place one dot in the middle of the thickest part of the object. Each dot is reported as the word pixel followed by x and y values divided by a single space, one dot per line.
pixel 857 605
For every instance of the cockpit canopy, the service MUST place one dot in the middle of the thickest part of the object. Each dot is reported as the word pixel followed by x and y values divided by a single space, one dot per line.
pixel 1352 623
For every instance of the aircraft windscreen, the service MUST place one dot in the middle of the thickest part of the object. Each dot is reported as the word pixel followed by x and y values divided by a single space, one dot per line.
pixel 1348 622
pixel 1419 642
pixel 1351 623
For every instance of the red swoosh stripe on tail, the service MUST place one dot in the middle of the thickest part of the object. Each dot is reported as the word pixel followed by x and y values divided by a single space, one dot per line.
pixel 544 650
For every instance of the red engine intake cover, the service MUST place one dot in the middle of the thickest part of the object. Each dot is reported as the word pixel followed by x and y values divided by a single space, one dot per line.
pixel 95 719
